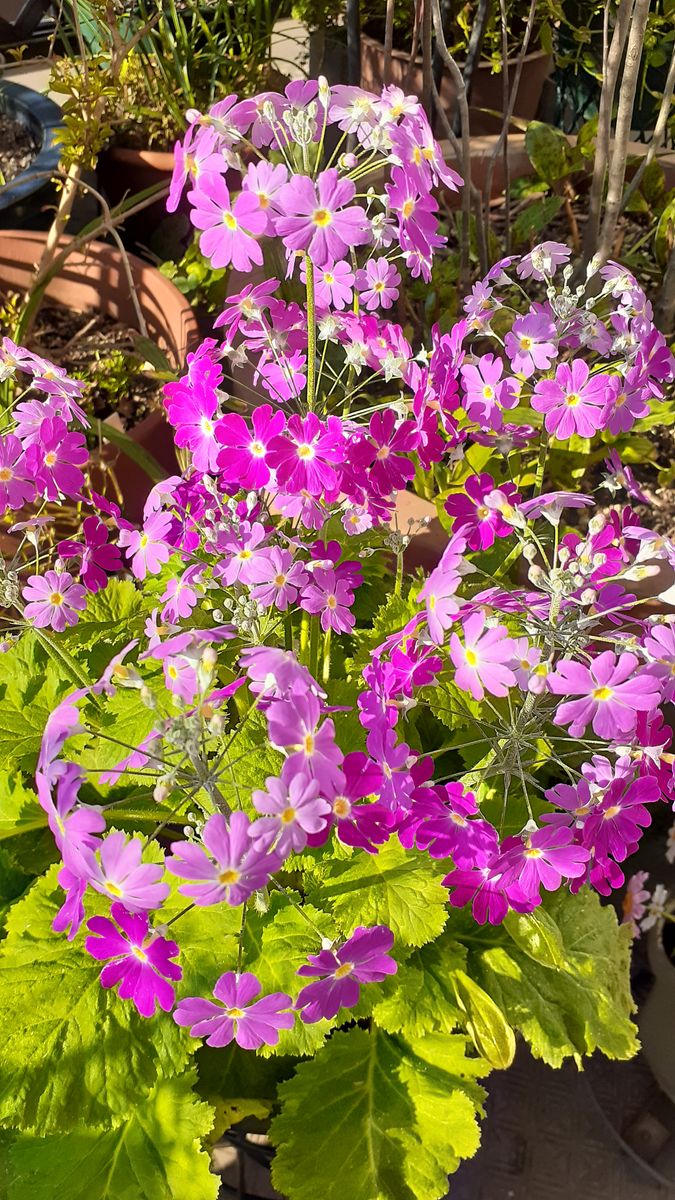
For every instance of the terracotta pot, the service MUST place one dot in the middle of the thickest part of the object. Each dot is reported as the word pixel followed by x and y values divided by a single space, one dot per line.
pixel 122 172
pixel 486 88
pixel 93 278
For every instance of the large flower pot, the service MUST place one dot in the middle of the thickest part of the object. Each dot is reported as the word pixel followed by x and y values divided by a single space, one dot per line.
pixel 94 278
pixel 22 197
pixel 486 86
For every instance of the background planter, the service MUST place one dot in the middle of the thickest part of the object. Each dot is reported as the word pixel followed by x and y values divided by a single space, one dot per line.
pixel 124 171
pixel 486 87
pixel 93 278
pixel 658 1010
pixel 22 196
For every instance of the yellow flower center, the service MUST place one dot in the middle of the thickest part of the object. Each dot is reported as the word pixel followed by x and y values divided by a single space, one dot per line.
pixel 56 598
pixel 483 512
pixel 322 217
pixel 207 426
pixel 113 889
pixel 144 541
pixel 526 343
pixel 229 220
pixel 305 451
pixel 5 474
pixel 331 601
pixel 611 812
pixel 308 743
pixel 408 209
pixel 229 877
pixel 288 816
pixel 603 693
pixel 572 400
pixel 341 806
pixel 279 580
pixel 471 657
pixel 257 449
pixel 50 458
pixel 235 1013
pixel 344 969
pixel 488 392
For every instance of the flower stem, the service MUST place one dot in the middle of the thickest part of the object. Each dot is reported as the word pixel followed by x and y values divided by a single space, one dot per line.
pixel 325 673
pixel 314 648
pixel 311 333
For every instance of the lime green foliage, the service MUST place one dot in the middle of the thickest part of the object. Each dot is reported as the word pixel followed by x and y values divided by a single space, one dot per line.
pixel 563 982
pixel 389 1118
pixel 31 685
pixel 396 887
pixel 154 1153
pixel 72 1052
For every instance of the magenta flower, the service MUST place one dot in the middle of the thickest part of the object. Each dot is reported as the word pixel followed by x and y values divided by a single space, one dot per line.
pixel 543 859
pixel 181 595
pixel 303 458
pixel 276 578
pixel 17 486
pixel 264 180
pixel 441 602
pixel 530 344
pixel 228 869
pixel 141 959
pixel 486 392
pixel 416 213
pixel 573 402
pixel 147 548
pixel 246 305
pixel 333 285
pixel 483 889
pixel 543 260
pixel 238 553
pixel 378 284
pixel 192 408
pixel 452 828
pixel 53 599
pixel 98 558
pixel 636 898
pixel 479 524
pixel 119 871
pixel 317 220
pixel 610 694
pixel 283 377
pixel 239 1016
pixel 614 826
pixel 621 476
pixel 481 660
pixel 332 597
pixel 292 809
pixel 198 154
pixel 293 725
pixel 229 229
pixel 55 459
pixel 244 457
pixel 364 958
pixel 75 826
pixel 358 778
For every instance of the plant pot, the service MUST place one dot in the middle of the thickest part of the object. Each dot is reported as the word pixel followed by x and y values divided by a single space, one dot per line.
pixel 486 87
pixel 24 195
pixel 656 1014
pixel 123 171
pixel 93 278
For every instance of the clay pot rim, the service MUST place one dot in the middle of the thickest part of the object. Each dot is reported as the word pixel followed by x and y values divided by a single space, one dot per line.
pixel 483 65
pixel 158 160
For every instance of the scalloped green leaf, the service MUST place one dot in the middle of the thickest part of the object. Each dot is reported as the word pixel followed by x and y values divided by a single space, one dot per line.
pixel 72 1052
pixel 390 1119
pixel 395 887
pixel 154 1153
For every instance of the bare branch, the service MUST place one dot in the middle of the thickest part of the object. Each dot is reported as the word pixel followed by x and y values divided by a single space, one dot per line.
pixel 388 40
pixel 501 141
pixel 658 135
pixel 612 55
pixel 617 166
pixel 463 106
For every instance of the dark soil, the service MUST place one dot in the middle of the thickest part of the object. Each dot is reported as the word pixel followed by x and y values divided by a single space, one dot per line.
pixel 18 148
pixel 101 352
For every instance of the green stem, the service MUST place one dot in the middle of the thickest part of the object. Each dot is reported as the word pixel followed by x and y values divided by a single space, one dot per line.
pixel 399 573
pixel 304 636
pixel 325 672
pixel 314 647
pixel 288 630
pixel 311 333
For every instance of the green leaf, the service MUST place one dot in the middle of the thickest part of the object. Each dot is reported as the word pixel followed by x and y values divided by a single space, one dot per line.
pixel 665 234
pixel 111 619
pixel 485 1023
pixel 154 1153
pixel 374 1117
pixel 249 760
pixel 395 887
pixel 533 220
pixel 275 945
pixel 420 998
pixel 238 1084
pixel 72 1051
pixel 24 832
pixel 548 150
pixel 13 883
pixel 152 353
pixel 138 454
pixel 582 1004
pixel 537 934
pixel 31 685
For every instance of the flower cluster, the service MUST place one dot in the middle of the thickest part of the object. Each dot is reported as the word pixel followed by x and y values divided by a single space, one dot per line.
pixel 544 691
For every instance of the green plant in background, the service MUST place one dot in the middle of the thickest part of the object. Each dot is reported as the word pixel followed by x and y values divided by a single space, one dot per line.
pixel 185 55
pixel 204 285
